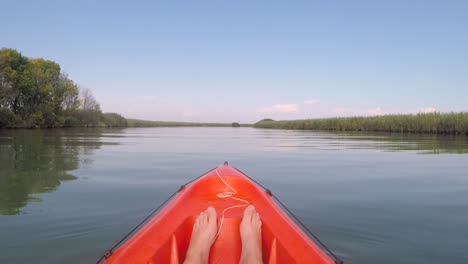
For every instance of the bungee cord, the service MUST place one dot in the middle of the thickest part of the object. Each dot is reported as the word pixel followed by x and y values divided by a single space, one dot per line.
pixel 224 195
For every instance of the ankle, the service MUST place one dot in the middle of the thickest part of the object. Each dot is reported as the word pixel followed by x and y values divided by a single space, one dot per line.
pixel 197 257
pixel 247 258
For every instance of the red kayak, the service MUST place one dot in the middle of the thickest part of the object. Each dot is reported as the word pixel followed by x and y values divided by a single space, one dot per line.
pixel 165 238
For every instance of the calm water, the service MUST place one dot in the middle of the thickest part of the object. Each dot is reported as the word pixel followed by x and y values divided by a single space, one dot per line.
pixel 68 195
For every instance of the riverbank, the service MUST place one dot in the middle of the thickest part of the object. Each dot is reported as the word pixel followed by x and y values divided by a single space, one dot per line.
pixel 147 123
pixel 108 120
pixel 69 119
pixel 431 123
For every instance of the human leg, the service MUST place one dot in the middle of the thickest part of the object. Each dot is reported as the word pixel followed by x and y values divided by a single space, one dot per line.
pixel 203 235
pixel 251 237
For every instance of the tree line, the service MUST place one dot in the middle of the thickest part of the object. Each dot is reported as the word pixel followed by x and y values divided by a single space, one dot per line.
pixel 35 93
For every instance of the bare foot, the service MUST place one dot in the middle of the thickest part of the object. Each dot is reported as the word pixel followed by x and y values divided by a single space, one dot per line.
pixel 251 236
pixel 203 235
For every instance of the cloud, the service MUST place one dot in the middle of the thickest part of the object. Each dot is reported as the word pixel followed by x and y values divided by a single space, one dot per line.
pixel 312 102
pixel 279 108
pixel 426 110
pixel 375 111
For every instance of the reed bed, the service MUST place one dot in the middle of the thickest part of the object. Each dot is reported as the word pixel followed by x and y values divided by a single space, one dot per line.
pixel 430 123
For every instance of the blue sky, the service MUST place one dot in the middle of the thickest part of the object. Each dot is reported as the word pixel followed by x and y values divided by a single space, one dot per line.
pixel 225 61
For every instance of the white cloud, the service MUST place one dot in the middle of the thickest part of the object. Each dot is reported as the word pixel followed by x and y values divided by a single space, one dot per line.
pixel 426 110
pixel 375 111
pixel 312 102
pixel 279 108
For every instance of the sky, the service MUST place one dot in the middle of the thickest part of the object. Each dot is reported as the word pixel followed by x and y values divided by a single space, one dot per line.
pixel 245 60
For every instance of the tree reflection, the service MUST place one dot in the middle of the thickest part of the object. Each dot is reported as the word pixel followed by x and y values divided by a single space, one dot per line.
pixel 37 161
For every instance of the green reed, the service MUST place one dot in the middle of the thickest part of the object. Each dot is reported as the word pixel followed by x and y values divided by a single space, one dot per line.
pixel 431 123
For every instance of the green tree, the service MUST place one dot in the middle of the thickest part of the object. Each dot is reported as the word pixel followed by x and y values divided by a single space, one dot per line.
pixel 35 93
pixel 13 71
pixel 65 95
pixel 40 97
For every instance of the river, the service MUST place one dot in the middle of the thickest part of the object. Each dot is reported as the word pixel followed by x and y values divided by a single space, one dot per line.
pixel 66 196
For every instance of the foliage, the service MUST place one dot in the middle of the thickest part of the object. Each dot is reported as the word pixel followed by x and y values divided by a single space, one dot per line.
pixel 8 119
pixel 114 120
pixel 431 123
pixel 34 93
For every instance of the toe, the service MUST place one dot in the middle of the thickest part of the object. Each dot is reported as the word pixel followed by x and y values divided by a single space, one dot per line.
pixel 211 214
pixel 197 221
pixel 203 218
pixel 258 221
pixel 248 212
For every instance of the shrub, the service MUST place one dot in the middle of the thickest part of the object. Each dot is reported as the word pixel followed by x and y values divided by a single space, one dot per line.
pixel 114 120
pixel 7 118
pixel 71 122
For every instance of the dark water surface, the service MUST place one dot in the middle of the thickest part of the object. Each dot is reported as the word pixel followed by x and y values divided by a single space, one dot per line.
pixel 68 195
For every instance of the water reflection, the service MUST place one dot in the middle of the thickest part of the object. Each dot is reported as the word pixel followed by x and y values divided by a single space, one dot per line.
pixel 421 144
pixel 368 205
pixel 37 161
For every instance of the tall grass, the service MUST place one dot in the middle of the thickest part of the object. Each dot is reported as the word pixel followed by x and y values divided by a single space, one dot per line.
pixel 431 123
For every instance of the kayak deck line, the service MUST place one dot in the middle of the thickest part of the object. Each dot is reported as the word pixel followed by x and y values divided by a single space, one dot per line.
pixel 166 236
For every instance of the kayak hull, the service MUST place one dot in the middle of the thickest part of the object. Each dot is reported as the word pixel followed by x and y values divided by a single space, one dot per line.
pixel 165 238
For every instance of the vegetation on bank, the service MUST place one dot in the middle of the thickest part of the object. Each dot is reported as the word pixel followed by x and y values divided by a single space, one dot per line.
pixel 146 123
pixel 35 93
pixel 431 123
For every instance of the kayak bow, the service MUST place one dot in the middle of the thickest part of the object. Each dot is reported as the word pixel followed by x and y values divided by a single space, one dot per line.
pixel 165 238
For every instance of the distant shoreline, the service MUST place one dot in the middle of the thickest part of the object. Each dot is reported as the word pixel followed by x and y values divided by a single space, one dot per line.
pixel 147 123
pixel 430 123
pixel 136 123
